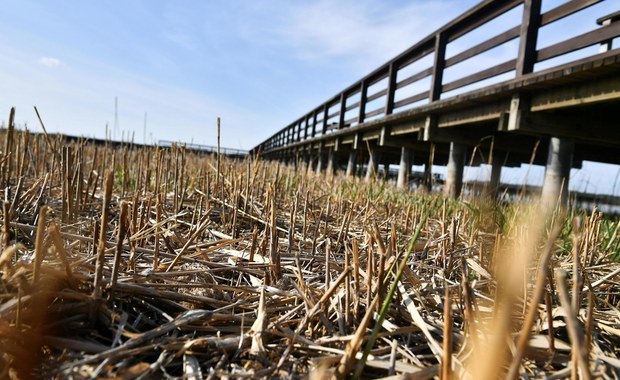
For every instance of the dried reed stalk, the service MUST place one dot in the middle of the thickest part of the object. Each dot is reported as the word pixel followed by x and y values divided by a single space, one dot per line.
pixel 291 273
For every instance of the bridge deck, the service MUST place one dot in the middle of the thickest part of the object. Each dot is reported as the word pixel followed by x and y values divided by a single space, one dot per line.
pixel 591 84
pixel 392 109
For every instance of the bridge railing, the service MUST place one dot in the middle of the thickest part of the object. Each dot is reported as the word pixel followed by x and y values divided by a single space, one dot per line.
pixel 400 83
pixel 205 148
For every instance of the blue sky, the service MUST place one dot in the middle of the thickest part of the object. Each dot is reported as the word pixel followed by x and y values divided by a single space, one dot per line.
pixel 258 64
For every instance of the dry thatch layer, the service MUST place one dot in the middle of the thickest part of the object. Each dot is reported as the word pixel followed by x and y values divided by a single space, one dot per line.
pixel 149 263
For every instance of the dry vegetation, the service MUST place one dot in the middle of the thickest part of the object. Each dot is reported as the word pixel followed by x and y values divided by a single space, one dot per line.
pixel 120 262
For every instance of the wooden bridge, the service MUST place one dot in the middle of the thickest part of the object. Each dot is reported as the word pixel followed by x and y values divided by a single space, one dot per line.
pixel 408 111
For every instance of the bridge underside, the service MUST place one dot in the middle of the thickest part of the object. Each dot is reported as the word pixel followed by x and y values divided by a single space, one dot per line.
pixel 511 123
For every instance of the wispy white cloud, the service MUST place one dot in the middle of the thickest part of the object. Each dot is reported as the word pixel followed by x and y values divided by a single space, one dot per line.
pixel 50 61
pixel 362 31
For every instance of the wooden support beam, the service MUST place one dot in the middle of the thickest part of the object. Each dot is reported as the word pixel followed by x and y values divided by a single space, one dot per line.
pixel 357 141
pixel 593 128
pixel 387 140
pixel 337 144
pixel 519 110
pixel 600 89
pixel 530 24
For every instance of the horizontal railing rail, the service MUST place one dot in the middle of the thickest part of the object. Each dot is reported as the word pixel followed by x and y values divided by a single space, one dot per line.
pixel 204 148
pixel 390 88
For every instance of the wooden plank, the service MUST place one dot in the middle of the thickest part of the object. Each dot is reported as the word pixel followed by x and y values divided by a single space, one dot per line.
pixel 348 140
pixel 414 78
pixel 566 9
pixel 530 24
pixel 489 44
pixel 378 111
pixel 376 95
pixel 416 56
pixel 348 122
pixel 336 113
pixel 411 99
pixel 481 75
pixel 351 106
pixel 584 40
pixel 371 135
pixel 478 16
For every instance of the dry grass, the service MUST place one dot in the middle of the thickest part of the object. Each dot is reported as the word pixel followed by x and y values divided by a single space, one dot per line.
pixel 150 263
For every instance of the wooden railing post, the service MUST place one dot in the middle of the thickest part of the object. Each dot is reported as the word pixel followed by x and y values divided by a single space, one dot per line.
pixel 439 64
pixel 529 37
pixel 363 96
pixel 434 93
pixel 343 108
pixel 307 118
pixel 391 89
pixel 325 115
pixel 520 104
pixel 314 117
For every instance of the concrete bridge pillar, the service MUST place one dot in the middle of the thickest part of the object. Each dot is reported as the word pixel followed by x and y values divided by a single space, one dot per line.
pixel 332 162
pixel 427 180
pixel 310 162
pixel 320 163
pixel 404 170
pixel 494 180
pixel 352 163
pixel 454 171
pixel 373 164
pixel 557 172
